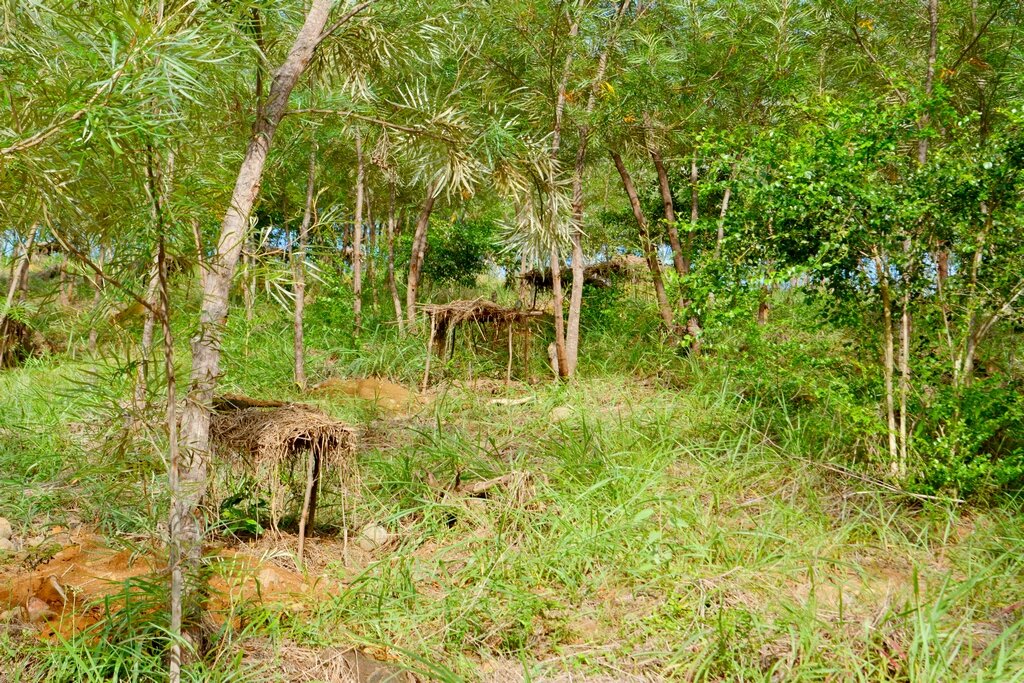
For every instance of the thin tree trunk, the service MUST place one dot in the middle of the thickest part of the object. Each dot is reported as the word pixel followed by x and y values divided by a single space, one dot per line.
pixel 664 307
pixel 889 360
pixel 555 260
pixel 299 266
pixel 357 240
pixel 904 381
pixel 14 287
pixel 371 249
pixel 522 297
pixel 392 284
pixel 419 246
pixel 23 277
pixel 158 189
pixel 763 307
pixel 307 496
pixel 174 465
pixel 556 311
pixel 680 262
pixel 721 221
pixel 97 299
pixel 148 330
pixel 929 78
pixel 20 269
pixel 694 209
pixel 572 337
pixel 186 527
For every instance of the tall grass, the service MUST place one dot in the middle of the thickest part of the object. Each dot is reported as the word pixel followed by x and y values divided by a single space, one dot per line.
pixel 680 523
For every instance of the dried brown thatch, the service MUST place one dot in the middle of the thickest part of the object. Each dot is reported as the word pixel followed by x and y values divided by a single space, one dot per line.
pixel 266 438
pixel 444 318
pixel 270 436
pixel 597 275
pixel 477 310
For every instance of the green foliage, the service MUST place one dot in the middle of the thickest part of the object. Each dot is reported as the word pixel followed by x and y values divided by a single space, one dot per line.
pixel 329 321
pixel 457 251
pixel 973 440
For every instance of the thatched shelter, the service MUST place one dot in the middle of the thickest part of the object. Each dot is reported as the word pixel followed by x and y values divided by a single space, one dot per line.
pixel 267 438
pixel 446 318
pixel 599 275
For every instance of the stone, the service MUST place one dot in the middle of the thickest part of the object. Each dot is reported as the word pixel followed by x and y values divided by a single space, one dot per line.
pixel 561 413
pixel 7 546
pixel 38 610
pixel 372 536
pixel 6 530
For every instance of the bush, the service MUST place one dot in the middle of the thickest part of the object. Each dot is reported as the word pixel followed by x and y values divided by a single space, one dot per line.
pixel 972 441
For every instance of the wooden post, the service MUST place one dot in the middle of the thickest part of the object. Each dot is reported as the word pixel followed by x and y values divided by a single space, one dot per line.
pixel 508 370
pixel 430 352
pixel 310 466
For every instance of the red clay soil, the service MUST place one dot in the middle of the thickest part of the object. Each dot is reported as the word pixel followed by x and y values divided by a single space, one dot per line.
pixel 65 594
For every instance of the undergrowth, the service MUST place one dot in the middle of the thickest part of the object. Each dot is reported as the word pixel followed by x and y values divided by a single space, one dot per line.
pixel 713 518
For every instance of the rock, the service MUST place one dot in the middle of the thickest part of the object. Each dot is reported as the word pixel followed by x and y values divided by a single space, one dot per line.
pixel 561 413
pixel 35 541
pixel 372 536
pixel 7 546
pixel 6 530
pixel 10 615
pixel 38 610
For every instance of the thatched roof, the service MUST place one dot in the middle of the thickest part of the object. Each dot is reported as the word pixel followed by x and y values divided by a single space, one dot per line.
pixel 256 436
pixel 478 310
pixel 598 274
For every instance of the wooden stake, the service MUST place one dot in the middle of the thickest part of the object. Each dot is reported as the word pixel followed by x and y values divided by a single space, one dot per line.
pixel 508 370
pixel 430 352
pixel 305 506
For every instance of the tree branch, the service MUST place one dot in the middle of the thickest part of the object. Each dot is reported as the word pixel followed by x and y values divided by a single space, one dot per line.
pixel 342 21
pixel 978 36
pixel 874 60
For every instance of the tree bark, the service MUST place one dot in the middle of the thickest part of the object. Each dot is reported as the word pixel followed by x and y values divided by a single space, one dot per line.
pixel 299 266
pixel 721 221
pixel 694 207
pixel 522 296
pixel 556 311
pixel 158 189
pixel 371 249
pixel 556 259
pixel 357 240
pixel 173 461
pixel 888 360
pixel 929 77
pixel 392 284
pixel 419 246
pixel 664 307
pixel 20 270
pixel 681 262
pixel 572 337
pixel 901 465
pixel 186 526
